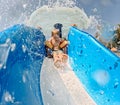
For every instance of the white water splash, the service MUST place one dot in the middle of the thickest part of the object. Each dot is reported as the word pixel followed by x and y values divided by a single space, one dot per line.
pixel 46 17
pixel 13 46
pixel 24 48
pixel 101 77
pixel 8 97
pixel 4 51
pixel 58 3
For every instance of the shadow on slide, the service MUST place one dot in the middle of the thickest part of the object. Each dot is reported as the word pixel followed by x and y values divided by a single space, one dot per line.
pixel 21 56
pixel 96 67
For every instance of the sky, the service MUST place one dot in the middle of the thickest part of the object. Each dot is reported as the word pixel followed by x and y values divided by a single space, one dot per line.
pixel 17 11
pixel 108 10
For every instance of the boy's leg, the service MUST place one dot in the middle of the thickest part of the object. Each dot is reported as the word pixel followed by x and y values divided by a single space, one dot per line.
pixel 57 59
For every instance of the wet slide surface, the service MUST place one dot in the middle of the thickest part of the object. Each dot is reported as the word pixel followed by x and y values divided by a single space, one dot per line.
pixel 62 87
pixel 96 67
pixel 21 55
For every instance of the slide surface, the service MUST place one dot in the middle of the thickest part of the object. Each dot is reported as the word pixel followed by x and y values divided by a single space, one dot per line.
pixel 21 56
pixel 96 67
pixel 62 87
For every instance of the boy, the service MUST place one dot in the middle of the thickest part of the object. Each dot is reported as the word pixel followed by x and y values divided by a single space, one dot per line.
pixel 57 44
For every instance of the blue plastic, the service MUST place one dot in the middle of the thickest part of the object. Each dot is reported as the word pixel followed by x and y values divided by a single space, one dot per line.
pixel 96 67
pixel 20 78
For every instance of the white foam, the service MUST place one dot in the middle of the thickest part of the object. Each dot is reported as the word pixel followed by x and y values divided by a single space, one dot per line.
pixel 46 17
pixel 24 48
pixel 4 52
pixel 101 77
pixel 8 97
pixel 13 46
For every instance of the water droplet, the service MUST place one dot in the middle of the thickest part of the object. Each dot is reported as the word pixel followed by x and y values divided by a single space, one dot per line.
pixel 116 85
pixel 101 92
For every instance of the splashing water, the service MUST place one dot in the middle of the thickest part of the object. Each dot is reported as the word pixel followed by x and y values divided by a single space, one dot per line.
pixel 19 12
pixel 46 17
pixel 58 3
pixel 101 77
pixel 64 12
pixel 107 32
pixel 4 52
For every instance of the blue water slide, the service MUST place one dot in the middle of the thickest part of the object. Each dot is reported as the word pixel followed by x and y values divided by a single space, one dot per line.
pixel 96 67
pixel 21 55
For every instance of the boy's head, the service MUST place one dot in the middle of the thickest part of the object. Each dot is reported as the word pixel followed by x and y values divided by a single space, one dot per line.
pixel 55 32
